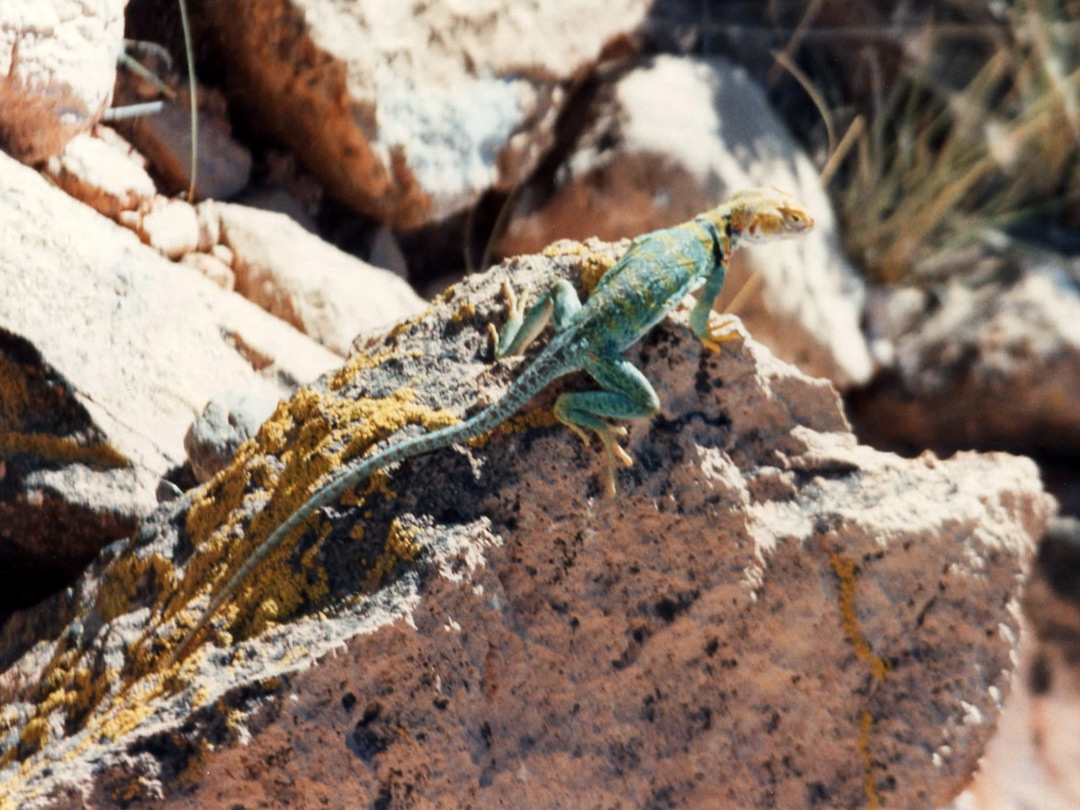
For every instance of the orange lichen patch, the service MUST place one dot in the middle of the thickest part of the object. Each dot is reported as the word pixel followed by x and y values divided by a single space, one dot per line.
pixel 401 546
pixel 879 667
pixel 866 725
pixel 845 573
pixel 34 735
pixel 307 439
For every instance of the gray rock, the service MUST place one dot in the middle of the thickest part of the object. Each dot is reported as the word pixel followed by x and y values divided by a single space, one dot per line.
pixel 991 362
pixel 227 421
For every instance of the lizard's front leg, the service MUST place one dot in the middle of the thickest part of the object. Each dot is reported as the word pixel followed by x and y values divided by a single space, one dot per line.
pixel 711 328
pixel 626 395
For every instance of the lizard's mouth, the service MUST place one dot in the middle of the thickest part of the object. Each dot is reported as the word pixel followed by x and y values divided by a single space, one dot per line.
pixel 768 230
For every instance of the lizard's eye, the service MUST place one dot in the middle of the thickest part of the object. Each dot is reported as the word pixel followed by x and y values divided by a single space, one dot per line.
pixel 798 219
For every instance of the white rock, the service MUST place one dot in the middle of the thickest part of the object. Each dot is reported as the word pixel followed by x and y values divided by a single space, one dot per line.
pixel 130 346
pixel 57 68
pixel 322 291
pixel 212 267
pixel 410 111
pixel 104 174
pixel 172 230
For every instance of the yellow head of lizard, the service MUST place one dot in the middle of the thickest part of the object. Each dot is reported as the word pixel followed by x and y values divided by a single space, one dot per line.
pixel 761 214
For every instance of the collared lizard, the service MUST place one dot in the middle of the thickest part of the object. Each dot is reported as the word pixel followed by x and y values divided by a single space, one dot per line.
pixel 652 277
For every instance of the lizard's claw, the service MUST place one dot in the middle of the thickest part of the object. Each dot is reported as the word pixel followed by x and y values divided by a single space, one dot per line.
pixel 516 312
pixel 721 328
pixel 515 305
pixel 580 433
pixel 614 452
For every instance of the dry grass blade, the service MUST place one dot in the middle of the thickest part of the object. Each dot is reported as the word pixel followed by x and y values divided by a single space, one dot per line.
pixel 937 164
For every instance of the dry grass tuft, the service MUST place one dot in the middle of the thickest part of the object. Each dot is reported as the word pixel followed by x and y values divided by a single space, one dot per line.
pixel 980 130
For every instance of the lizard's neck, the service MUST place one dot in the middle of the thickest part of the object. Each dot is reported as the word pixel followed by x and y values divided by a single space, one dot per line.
pixel 726 227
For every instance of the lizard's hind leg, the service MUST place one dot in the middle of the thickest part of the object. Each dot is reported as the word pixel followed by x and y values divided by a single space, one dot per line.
pixel 558 304
pixel 626 395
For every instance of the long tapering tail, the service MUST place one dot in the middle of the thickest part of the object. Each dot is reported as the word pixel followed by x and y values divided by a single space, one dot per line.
pixel 532 380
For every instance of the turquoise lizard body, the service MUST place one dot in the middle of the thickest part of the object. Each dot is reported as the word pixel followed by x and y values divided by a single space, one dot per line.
pixel 651 278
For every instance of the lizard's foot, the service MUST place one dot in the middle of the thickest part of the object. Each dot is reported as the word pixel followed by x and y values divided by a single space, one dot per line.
pixel 515 305
pixel 515 315
pixel 721 328
pixel 615 453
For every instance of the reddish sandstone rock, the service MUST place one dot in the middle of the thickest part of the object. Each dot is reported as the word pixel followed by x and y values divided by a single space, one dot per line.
pixel 768 614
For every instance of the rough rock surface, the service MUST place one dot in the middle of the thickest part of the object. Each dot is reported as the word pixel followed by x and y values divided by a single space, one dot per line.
pixel 107 352
pixel 227 421
pixel 57 67
pixel 321 290
pixel 675 136
pixel 1031 762
pixel 104 172
pixel 172 228
pixel 768 614
pixel 410 111
pixel 990 362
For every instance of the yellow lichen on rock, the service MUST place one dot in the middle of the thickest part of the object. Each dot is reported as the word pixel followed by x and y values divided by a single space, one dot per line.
pixel 845 570
pixel 63 450
pixel 465 311
pixel 16 408
pixel 401 546
pixel 121 582
pixel 307 439
pixel 34 735
pixel 593 265
pixel 845 573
